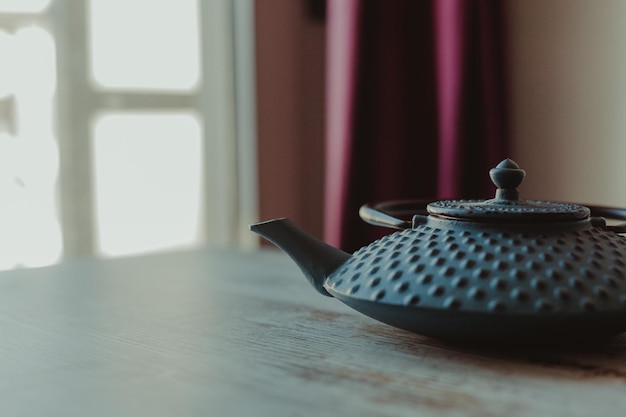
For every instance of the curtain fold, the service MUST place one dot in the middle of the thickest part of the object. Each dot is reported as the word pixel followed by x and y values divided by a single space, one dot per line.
pixel 415 106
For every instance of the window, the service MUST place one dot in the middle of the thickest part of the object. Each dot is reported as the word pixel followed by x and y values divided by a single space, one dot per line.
pixel 117 127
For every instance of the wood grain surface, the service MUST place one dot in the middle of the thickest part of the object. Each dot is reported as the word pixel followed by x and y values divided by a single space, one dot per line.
pixel 228 333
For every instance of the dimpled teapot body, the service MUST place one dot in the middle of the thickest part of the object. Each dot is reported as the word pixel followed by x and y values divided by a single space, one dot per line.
pixel 490 270
pixel 500 270
pixel 489 285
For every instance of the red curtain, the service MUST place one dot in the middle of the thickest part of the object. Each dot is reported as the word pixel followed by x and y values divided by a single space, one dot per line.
pixel 415 105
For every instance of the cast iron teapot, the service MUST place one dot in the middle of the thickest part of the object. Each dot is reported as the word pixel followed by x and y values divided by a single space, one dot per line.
pixel 498 270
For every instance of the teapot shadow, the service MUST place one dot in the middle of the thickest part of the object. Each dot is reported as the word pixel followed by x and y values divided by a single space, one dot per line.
pixel 585 359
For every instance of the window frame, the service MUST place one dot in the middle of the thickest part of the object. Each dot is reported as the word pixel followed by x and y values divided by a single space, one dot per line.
pixel 224 99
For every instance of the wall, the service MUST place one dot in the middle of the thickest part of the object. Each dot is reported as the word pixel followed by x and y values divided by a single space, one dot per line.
pixel 567 64
pixel 290 87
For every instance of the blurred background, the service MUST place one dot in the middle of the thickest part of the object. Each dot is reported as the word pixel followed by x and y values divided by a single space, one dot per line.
pixel 138 126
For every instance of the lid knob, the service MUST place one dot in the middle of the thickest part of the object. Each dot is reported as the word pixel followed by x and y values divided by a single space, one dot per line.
pixel 507 206
pixel 507 176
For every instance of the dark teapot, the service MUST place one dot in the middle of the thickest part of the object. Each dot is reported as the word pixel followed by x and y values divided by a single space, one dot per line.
pixel 499 270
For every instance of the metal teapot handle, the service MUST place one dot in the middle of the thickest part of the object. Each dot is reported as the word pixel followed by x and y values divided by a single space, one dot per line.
pixel 398 214
pixel 611 214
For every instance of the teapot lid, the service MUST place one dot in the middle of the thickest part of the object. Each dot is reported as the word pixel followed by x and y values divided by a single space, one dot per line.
pixel 507 206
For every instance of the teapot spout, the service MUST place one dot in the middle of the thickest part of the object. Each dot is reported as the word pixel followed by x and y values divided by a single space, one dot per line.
pixel 316 259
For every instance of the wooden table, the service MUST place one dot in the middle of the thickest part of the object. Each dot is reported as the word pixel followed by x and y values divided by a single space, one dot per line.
pixel 228 333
